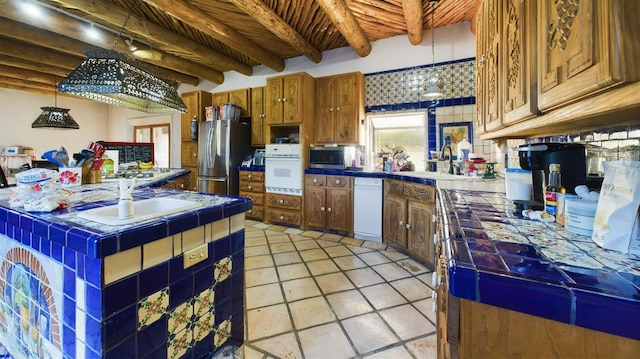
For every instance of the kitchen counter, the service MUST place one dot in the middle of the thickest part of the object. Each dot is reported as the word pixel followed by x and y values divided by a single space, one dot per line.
pixel 126 291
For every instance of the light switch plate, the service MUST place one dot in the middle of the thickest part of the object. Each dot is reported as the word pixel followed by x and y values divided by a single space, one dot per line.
pixel 195 256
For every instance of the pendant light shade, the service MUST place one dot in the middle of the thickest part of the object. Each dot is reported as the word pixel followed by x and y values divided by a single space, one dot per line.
pixel 55 117
pixel 116 79
pixel 434 84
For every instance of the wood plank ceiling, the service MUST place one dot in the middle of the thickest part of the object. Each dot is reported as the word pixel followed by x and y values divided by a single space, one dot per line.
pixel 194 40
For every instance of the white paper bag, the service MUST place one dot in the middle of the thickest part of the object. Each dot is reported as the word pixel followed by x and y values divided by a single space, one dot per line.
pixel 617 217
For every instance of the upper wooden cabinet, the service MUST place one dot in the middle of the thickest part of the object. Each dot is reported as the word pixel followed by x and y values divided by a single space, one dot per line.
pixel 290 99
pixel 489 63
pixel 241 98
pixel 339 108
pixel 584 47
pixel 258 115
pixel 195 101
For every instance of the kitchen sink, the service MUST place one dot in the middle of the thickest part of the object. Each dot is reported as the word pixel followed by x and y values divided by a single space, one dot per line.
pixel 142 210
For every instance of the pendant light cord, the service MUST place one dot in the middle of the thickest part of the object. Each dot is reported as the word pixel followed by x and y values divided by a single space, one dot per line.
pixel 124 24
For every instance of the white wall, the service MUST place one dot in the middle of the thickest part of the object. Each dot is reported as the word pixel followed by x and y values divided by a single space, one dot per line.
pixel 97 121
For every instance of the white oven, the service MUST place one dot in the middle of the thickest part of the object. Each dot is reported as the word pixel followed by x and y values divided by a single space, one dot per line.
pixel 283 169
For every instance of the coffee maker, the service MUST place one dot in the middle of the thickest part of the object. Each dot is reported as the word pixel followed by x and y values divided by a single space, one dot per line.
pixel 536 157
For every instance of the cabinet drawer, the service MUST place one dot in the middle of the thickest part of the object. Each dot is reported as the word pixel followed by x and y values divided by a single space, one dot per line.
pixel 421 192
pixel 275 215
pixel 315 180
pixel 284 201
pixel 257 187
pixel 339 181
pixel 257 198
pixel 252 176
pixel 256 212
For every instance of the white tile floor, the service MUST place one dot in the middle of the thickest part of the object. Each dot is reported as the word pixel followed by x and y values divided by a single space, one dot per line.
pixel 319 295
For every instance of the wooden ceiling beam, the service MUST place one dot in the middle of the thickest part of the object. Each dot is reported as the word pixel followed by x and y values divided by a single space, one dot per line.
pixel 218 30
pixel 29 75
pixel 347 24
pixel 26 83
pixel 71 41
pixel 413 16
pixel 274 23
pixel 24 88
pixel 35 66
pixel 164 39
pixel 39 54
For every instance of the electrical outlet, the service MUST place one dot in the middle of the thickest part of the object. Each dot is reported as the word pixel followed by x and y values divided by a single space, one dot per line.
pixel 195 256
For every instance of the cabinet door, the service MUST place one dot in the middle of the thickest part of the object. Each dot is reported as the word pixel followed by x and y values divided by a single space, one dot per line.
pixel 257 117
pixel 315 206
pixel 291 101
pixel 274 101
pixel 191 182
pixel 325 110
pixel 189 154
pixel 480 71
pixel 195 102
pixel 339 209
pixel 395 214
pixel 420 231
pixel 241 98
pixel 518 44
pixel 493 61
pixel 219 98
pixel 349 90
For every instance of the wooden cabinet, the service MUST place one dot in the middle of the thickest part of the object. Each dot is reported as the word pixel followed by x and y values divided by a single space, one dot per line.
pixel 180 183
pixel 328 203
pixel 252 186
pixel 409 218
pixel 489 61
pixel 258 115
pixel 195 101
pixel 240 97
pixel 339 108
pixel 290 99
pixel 281 208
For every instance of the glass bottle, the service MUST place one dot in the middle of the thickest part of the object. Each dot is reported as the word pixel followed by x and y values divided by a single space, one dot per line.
pixel 554 192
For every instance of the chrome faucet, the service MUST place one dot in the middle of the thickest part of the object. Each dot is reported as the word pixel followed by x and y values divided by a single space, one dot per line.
pixel 450 156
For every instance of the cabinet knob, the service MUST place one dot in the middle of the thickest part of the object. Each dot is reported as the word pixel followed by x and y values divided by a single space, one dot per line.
pixel 250 211
pixel 401 223
pixel 330 109
pixel 279 100
pixel 337 181
pixel 408 226
pixel 284 99
pixel 338 108
pixel 322 209
pixel 329 209
pixel 195 154
pixel 281 201
pixel 182 185
pixel 250 176
pixel 249 187
pixel 315 180
pixel 281 218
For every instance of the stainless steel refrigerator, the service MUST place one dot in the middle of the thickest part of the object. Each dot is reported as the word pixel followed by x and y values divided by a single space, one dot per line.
pixel 222 145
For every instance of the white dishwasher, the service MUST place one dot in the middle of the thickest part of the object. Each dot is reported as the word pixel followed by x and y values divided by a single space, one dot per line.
pixel 367 208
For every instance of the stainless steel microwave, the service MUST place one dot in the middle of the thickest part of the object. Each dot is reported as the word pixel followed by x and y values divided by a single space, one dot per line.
pixel 329 157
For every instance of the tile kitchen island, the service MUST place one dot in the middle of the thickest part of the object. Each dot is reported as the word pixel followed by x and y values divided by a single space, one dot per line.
pixel 166 287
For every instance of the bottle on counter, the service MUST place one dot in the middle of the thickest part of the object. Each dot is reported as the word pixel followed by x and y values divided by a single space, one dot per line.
pixel 554 193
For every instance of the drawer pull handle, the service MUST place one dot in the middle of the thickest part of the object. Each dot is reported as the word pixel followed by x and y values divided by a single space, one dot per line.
pixel 315 180
pixel 408 226
pixel 321 209
pixel 281 201
pixel 250 176
pixel 401 223
pixel 250 187
pixel 329 209
pixel 281 218
pixel 337 181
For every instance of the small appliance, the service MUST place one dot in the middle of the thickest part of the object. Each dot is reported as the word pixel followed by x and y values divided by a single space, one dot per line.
pixel 258 157
pixel 336 157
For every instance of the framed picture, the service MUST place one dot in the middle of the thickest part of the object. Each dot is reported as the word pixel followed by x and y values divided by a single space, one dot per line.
pixel 454 132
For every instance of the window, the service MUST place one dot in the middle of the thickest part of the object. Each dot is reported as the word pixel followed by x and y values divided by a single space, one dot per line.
pixel 159 135
pixel 406 130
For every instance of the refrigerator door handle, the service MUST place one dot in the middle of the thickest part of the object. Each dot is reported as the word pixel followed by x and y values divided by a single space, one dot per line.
pixel 210 137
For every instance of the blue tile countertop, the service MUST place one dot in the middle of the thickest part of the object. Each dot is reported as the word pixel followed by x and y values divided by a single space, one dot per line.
pixel 500 259
pixel 48 231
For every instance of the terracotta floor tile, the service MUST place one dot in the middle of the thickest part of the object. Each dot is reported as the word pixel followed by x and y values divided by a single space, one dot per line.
pixel 283 346
pixel 312 234
pixel 256 233
pixel 426 278
pixel 394 255
pixel 293 231
pixel 338 251
pixel 282 247
pixel 315 343
pixel 413 267
pixel 391 271
pixel 331 237
pixel 352 241
pixel 262 225
pixel 412 289
pixel 264 295
pixel 349 262
pixel 373 258
pixel 300 288
pixel 278 228
pixel 349 304
pixel 326 244
pixel 306 244
pixel 424 348
pixel 256 251
pixel 258 262
pixel 334 282
pixel 260 276
pixel 398 352
pixel 250 353
pixel 364 277
pixel 268 321
pixel 313 255
pixel 368 332
pixel 322 267
pixel 310 312
pixel 278 238
pixel 292 271
pixel 407 322
pixel 255 241
pixel 425 307
pixel 359 250
pixel 374 245
pixel 287 258
pixel 382 296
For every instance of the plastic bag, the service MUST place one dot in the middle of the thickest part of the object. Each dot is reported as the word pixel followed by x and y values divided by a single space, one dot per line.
pixel 37 191
pixel 617 219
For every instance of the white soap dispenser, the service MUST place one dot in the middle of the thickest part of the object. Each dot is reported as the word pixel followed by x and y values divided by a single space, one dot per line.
pixel 125 203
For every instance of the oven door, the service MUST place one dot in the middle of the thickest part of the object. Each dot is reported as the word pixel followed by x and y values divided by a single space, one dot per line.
pixel 283 175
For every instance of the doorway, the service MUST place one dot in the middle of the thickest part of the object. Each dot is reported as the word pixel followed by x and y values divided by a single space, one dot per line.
pixel 159 135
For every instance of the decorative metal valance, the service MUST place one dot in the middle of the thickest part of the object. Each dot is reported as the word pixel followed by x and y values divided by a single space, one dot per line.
pixel 117 79
pixel 55 117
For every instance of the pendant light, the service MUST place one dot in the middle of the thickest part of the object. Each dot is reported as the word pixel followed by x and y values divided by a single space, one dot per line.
pixel 118 79
pixel 433 88
pixel 55 117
